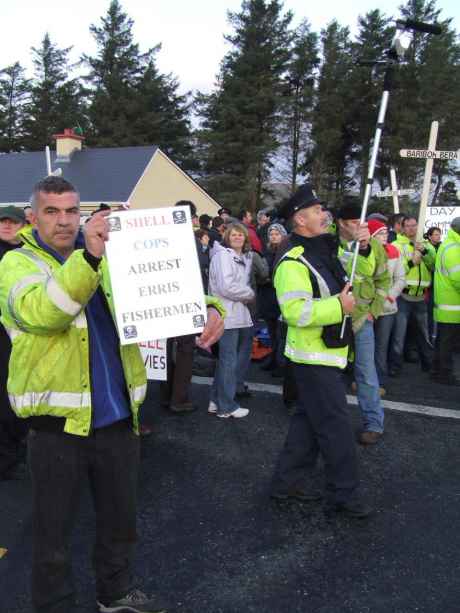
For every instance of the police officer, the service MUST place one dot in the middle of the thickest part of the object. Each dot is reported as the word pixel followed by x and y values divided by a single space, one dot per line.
pixel 447 305
pixel 313 294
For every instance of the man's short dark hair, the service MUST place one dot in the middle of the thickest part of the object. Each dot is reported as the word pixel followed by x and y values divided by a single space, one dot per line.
pixel 408 218
pixel 217 222
pixel 242 214
pixel 51 185
pixel 188 203
pixel 396 218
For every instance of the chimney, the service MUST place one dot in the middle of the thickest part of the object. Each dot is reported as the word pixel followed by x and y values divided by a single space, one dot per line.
pixel 66 144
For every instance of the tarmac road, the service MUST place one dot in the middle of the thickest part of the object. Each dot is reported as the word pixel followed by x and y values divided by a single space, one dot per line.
pixel 212 542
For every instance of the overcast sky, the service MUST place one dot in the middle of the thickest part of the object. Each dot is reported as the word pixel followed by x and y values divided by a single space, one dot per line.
pixel 191 31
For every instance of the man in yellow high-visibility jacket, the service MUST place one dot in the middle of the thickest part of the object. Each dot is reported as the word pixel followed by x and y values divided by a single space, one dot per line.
pixel 313 294
pixel 447 305
pixel 81 391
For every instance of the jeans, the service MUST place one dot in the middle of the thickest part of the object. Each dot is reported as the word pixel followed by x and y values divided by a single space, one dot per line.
pixel 244 357
pixel 419 311
pixel 59 465
pixel 231 368
pixel 367 381
pixel 383 328
pixel 321 424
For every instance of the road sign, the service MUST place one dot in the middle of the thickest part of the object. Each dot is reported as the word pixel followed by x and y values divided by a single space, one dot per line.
pixel 430 154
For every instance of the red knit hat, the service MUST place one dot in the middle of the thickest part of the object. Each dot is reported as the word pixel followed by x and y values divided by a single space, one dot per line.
pixel 375 225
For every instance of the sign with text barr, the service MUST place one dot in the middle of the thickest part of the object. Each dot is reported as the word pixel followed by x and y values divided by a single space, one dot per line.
pixel 155 274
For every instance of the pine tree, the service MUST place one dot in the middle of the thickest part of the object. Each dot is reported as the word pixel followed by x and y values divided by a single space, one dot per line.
pixel 240 120
pixel 297 104
pixel 428 88
pixel 330 130
pixel 14 92
pixel 114 74
pixel 366 87
pixel 162 115
pixel 55 101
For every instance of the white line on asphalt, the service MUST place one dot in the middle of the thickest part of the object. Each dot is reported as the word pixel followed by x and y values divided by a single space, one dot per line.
pixel 388 404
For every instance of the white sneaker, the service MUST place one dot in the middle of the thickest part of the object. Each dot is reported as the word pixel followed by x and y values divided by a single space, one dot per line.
pixel 212 408
pixel 239 412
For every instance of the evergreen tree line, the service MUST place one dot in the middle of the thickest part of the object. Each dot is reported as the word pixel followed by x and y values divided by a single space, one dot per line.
pixel 288 104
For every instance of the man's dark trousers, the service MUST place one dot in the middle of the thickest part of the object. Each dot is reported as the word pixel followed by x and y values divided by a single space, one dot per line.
pixel 176 389
pixel 60 464
pixel 320 424
pixel 12 429
pixel 447 342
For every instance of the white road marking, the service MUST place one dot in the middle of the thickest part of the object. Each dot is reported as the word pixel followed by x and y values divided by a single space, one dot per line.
pixel 392 405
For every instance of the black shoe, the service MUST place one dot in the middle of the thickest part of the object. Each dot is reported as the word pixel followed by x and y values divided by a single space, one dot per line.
pixel 268 366
pixel 296 494
pixel 354 509
pixel 445 379
pixel 183 407
pixel 244 394
pixel 134 602
pixel 278 373
pixel 19 472
pixel 291 408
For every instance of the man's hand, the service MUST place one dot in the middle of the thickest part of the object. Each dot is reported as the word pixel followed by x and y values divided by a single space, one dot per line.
pixel 363 236
pixel 416 257
pixel 212 331
pixel 96 232
pixel 347 300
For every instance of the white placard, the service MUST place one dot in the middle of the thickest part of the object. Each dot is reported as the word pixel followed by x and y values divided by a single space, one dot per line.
pixel 441 217
pixel 154 356
pixel 155 274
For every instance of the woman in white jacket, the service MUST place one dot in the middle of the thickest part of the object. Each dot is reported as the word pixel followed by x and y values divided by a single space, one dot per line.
pixel 229 277
pixel 385 323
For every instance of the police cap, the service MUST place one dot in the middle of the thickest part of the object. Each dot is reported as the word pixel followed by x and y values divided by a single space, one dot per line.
pixel 303 198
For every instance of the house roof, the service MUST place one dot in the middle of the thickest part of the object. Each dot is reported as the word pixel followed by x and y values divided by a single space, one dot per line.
pixel 103 174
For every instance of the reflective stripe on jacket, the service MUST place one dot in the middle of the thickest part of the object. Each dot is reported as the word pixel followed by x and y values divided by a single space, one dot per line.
pixel 418 278
pixel 447 280
pixel 42 304
pixel 306 315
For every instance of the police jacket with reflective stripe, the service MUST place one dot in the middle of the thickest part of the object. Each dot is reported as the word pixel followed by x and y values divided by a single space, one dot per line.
pixel 372 279
pixel 447 280
pixel 42 304
pixel 418 277
pixel 307 295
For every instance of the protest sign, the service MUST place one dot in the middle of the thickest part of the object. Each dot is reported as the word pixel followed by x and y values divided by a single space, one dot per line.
pixel 155 274
pixel 154 355
pixel 441 217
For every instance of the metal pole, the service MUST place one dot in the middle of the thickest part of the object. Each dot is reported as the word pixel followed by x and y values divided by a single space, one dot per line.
pixel 369 183
pixel 48 161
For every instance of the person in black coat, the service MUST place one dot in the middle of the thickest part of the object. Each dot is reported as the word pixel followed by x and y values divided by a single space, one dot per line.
pixel 12 429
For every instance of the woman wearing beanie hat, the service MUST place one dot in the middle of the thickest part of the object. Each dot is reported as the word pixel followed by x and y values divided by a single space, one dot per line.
pixel 385 323
pixel 268 305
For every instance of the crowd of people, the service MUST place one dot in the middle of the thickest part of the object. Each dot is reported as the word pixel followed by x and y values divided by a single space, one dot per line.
pixel 68 384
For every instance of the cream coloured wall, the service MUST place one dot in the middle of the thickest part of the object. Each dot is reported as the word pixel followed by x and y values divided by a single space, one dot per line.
pixel 163 183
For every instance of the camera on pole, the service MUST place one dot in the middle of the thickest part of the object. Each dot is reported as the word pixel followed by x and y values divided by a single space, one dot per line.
pixel 400 44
